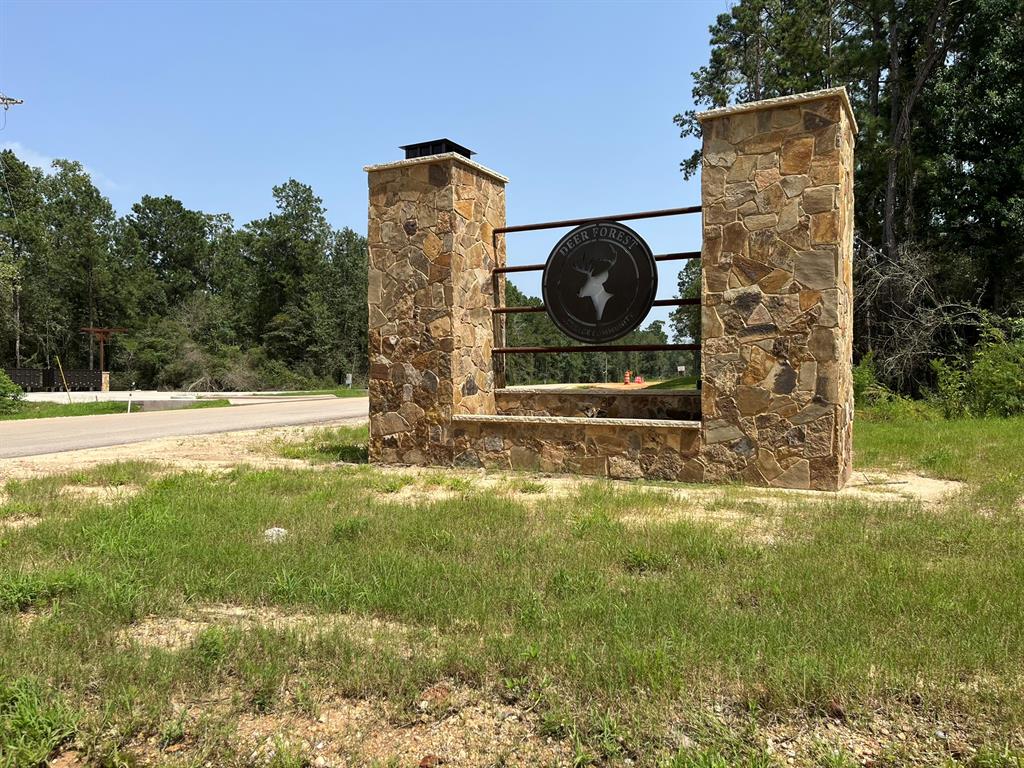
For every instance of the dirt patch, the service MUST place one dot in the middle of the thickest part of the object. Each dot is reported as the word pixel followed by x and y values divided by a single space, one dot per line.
pixel 175 632
pixel 463 729
pixel 757 526
pixel 431 485
pixel 886 736
pixel 876 485
pixel 17 523
pixel 103 494
pixel 68 760
pixel 217 452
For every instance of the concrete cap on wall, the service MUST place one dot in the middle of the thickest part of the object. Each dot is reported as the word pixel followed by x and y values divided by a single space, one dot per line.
pixel 438 158
pixel 784 101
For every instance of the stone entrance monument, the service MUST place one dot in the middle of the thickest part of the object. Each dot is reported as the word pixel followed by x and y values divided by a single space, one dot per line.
pixel 776 404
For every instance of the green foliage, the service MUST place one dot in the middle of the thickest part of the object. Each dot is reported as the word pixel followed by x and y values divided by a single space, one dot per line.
pixel 951 393
pixel 990 382
pixel 937 89
pixel 876 402
pixel 329 444
pixel 20 591
pixel 349 529
pixel 529 330
pixel 864 379
pixel 10 394
pixel 279 303
pixel 996 379
pixel 33 724
pixel 728 614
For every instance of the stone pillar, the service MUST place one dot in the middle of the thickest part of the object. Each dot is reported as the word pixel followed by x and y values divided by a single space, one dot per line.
pixel 432 250
pixel 777 316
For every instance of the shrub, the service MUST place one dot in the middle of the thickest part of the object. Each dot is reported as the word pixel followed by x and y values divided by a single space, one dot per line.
pixel 996 380
pixel 950 389
pixel 990 382
pixel 864 378
pixel 10 394
pixel 875 402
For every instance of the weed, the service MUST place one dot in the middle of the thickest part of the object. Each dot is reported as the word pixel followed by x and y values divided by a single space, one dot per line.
pixel 349 528
pixel 173 730
pixel 21 591
pixel 333 444
pixel 33 723
pixel 643 560
pixel 529 486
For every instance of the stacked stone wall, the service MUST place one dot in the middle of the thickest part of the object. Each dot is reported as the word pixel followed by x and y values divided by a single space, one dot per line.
pixel 776 407
pixel 620 448
pixel 777 185
pixel 681 406
pixel 432 252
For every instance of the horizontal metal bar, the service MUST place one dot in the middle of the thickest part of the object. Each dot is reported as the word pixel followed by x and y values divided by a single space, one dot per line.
pixel 677 302
pixel 657 257
pixel 527 268
pixel 592 219
pixel 542 308
pixel 517 310
pixel 677 256
pixel 602 348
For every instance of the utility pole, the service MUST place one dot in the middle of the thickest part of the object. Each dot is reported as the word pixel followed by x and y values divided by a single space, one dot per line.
pixel 7 102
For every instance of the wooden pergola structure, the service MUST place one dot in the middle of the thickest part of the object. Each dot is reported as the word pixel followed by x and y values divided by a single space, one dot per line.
pixel 103 335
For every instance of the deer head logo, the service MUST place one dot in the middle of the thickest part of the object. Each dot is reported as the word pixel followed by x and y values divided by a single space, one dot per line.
pixel 596 267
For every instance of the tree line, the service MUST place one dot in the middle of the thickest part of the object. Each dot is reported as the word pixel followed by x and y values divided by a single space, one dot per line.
pixel 937 87
pixel 534 329
pixel 279 302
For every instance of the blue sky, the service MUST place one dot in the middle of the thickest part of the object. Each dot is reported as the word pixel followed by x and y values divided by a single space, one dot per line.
pixel 214 103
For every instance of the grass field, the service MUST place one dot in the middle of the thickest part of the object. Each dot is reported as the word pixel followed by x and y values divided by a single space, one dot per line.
pixel 336 391
pixel 542 623
pixel 680 382
pixel 33 410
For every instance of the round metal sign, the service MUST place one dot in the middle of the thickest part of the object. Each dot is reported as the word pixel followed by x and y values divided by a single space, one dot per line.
pixel 599 282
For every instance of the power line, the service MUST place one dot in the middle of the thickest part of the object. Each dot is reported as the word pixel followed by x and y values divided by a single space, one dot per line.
pixel 7 102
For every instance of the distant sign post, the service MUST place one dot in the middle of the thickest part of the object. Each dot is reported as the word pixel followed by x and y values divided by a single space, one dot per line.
pixel 599 282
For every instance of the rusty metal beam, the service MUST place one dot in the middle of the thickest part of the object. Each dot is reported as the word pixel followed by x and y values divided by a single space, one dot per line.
pixel 595 348
pixel 593 219
pixel 542 308
pixel 659 257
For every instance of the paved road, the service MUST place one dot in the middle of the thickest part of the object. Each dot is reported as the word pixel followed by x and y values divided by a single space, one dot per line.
pixel 31 437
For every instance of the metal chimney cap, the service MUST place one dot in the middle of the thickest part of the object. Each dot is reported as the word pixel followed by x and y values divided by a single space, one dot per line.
pixel 435 147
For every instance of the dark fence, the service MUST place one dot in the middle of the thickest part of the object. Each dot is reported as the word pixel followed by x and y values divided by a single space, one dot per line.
pixel 48 379
pixel 500 349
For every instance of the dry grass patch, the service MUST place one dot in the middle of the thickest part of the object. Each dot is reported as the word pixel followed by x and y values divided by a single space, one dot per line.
pixel 887 736
pixel 466 729
pixel 175 632
pixel 17 523
pixel 216 452
pixel 101 494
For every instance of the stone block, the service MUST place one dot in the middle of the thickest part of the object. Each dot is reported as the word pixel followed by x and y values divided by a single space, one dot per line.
pixel 796 155
pixel 623 468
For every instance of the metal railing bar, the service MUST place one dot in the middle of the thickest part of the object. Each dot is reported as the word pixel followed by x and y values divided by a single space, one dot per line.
pixel 542 308
pixel 517 310
pixel 527 268
pixel 677 256
pixel 658 257
pixel 596 348
pixel 592 219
